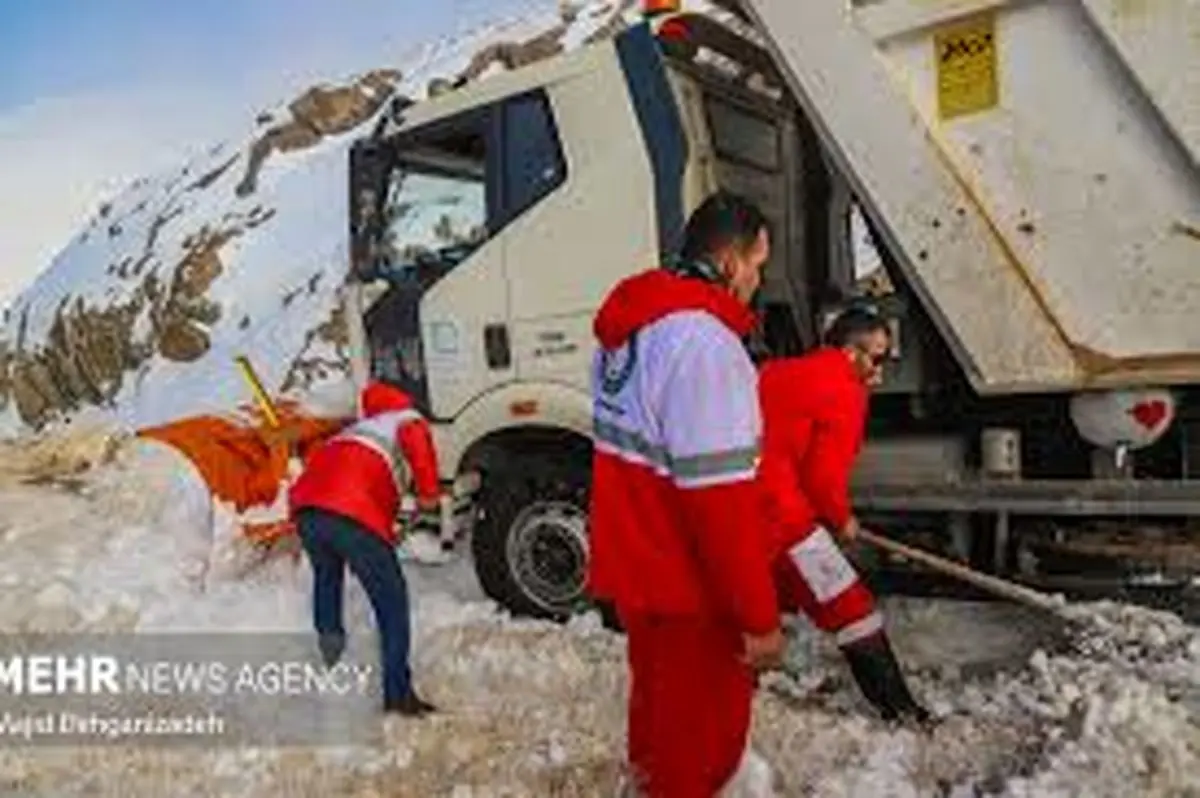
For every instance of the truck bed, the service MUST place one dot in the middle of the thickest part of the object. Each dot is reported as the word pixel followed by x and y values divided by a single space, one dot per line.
pixel 1032 166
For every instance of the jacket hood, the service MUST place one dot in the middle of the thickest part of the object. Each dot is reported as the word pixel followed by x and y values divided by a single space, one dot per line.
pixel 379 397
pixel 643 299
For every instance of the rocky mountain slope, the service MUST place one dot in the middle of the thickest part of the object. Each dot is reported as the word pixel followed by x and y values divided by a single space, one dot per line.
pixel 240 251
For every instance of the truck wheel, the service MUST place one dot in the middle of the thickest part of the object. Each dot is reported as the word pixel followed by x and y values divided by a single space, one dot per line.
pixel 530 546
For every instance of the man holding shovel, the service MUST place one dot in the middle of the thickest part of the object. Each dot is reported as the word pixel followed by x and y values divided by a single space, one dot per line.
pixel 814 410
pixel 345 503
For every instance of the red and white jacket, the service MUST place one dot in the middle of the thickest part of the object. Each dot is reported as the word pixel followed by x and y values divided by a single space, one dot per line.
pixel 361 473
pixel 676 524
pixel 815 413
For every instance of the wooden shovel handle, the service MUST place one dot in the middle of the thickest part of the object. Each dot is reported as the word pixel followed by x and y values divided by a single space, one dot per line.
pixel 991 584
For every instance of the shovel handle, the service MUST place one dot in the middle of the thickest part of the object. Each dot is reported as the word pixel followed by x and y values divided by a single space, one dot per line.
pixel 265 403
pixel 994 585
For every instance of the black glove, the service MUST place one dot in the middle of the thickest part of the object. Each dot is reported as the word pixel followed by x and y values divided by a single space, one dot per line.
pixel 878 675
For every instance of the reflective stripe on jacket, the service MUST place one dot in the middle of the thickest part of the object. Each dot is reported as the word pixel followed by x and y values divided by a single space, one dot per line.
pixel 364 471
pixel 675 516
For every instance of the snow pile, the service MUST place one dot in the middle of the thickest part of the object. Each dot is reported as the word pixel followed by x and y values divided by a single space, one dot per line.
pixel 1076 723
pixel 533 709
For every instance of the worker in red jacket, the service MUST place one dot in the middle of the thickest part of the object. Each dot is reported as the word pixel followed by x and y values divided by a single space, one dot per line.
pixel 346 503
pixel 676 519
pixel 814 414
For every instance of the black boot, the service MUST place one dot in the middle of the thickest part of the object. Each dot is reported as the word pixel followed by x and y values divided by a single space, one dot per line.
pixel 410 705
pixel 331 644
pixel 878 675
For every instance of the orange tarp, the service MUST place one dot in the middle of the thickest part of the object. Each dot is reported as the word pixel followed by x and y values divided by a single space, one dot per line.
pixel 243 459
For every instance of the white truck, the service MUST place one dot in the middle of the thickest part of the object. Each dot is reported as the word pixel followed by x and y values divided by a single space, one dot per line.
pixel 1029 174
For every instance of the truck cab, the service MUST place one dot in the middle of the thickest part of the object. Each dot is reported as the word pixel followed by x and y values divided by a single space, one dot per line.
pixel 489 223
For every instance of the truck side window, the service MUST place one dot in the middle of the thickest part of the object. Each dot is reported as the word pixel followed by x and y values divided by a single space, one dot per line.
pixel 742 135
pixel 436 211
pixel 533 159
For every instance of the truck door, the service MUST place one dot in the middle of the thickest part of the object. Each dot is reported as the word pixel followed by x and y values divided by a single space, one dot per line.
pixel 581 192
pixel 757 153
pixel 457 185
pixel 432 331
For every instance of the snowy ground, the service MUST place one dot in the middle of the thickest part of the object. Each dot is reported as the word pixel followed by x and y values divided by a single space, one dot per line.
pixel 537 710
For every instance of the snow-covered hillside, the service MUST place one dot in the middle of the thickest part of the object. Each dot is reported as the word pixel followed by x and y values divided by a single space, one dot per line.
pixel 240 250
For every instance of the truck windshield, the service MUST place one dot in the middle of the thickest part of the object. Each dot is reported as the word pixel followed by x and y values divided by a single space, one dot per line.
pixel 435 213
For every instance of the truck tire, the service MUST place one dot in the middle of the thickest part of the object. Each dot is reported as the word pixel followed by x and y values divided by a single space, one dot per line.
pixel 530 545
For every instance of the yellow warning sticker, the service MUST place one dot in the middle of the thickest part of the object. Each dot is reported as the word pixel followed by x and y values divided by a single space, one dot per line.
pixel 965 54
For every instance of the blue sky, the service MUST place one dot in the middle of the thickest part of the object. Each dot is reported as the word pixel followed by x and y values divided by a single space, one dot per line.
pixel 57 47
pixel 94 93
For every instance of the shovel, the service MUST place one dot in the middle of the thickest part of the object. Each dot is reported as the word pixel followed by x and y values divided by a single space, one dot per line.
pixel 991 584
pixel 787 688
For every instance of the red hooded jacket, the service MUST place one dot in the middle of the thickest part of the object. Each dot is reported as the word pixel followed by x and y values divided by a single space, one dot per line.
pixel 357 473
pixel 676 520
pixel 814 415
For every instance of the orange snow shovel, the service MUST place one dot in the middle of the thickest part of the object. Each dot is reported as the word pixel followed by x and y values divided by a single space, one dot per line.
pixel 992 584
pixel 243 457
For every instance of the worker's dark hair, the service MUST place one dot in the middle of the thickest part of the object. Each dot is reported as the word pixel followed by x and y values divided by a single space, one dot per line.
pixel 722 220
pixel 853 323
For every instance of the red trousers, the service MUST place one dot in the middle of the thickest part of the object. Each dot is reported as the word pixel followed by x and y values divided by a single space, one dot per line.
pixel 689 705
pixel 814 577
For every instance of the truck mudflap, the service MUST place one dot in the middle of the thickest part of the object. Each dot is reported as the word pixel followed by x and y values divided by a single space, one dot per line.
pixel 1051 252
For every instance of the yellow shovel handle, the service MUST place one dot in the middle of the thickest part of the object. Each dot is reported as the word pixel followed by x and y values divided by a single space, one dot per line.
pixel 260 393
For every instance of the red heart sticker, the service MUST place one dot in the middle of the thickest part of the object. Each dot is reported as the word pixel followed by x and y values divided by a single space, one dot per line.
pixel 1149 414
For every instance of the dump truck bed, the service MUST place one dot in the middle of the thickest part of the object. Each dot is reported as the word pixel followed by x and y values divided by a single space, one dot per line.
pixel 1032 167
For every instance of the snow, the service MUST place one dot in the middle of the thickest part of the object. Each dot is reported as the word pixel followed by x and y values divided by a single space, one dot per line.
pixel 532 709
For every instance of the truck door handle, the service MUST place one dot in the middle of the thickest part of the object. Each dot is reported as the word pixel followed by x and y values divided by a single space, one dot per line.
pixel 496 347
